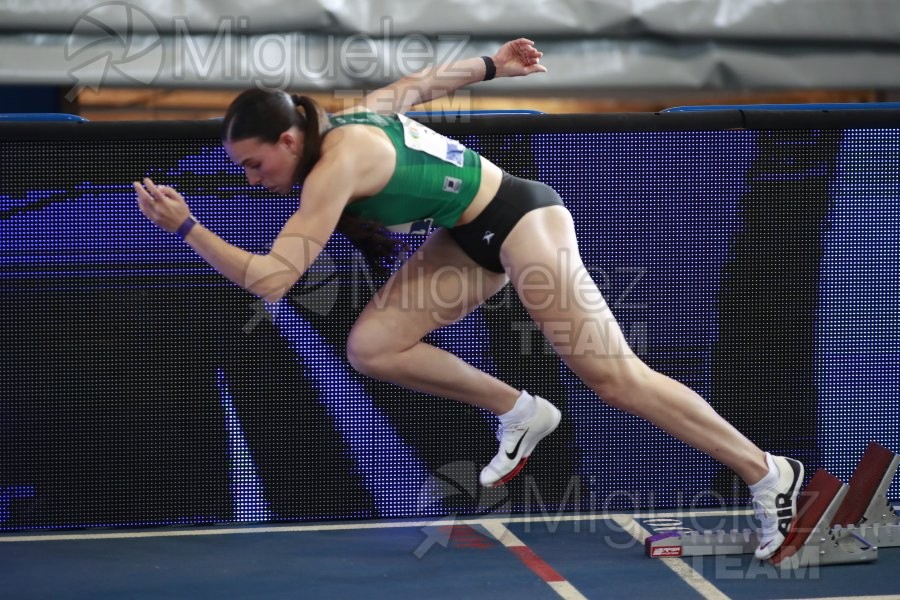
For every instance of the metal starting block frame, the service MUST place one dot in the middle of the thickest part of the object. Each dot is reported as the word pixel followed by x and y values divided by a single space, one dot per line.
pixel 836 523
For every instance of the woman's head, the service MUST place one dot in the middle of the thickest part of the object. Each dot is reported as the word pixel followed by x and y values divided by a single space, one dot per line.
pixel 277 139
pixel 274 136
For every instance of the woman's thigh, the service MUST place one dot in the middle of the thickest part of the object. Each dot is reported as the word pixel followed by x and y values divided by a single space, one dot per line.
pixel 542 259
pixel 437 286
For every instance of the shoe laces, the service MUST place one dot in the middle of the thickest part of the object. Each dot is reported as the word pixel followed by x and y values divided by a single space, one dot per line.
pixel 515 427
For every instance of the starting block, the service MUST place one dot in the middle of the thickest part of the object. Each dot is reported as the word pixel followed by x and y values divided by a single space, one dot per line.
pixel 836 523
pixel 867 509
pixel 812 541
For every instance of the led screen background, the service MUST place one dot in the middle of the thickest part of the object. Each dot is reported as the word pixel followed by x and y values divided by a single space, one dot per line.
pixel 137 386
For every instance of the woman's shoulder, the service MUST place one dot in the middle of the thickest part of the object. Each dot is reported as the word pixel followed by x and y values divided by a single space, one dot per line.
pixel 348 135
pixel 363 110
pixel 360 115
pixel 357 108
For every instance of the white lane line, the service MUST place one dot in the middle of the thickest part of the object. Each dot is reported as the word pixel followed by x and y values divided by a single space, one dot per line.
pixel 538 566
pixel 250 529
pixel 691 577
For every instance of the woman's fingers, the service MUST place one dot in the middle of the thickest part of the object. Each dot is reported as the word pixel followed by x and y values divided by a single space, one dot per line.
pixel 527 54
pixel 142 194
pixel 168 192
pixel 144 200
pixel 161 204
pixel 152 189
pixel 145 191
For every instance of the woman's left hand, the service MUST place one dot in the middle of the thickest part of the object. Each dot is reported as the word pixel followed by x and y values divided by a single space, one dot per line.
pixel 161 204
pixel 518 57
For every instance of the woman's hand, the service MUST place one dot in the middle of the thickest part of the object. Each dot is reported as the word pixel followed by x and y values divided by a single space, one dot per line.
pixel 518 57
pixel 161 204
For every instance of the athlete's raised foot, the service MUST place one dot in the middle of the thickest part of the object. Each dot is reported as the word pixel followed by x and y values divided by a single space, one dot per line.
pixel 518 440
pixel 776 506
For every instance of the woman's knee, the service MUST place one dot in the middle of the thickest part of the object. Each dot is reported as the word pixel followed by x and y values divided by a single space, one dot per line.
pixel 365 352
pixel 621 384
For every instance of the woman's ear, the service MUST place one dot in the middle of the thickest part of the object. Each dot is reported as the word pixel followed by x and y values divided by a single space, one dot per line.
pixel 292 139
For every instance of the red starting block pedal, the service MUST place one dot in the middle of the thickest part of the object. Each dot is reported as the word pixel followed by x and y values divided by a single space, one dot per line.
pixel 811 540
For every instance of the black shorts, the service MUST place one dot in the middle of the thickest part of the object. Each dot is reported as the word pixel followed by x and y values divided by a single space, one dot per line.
pixel 482 238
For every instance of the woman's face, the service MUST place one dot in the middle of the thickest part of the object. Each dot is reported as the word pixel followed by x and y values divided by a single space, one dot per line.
pixel 274 166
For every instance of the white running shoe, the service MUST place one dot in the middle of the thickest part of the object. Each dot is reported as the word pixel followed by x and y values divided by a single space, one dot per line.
pixel 517 440
pixel 776 508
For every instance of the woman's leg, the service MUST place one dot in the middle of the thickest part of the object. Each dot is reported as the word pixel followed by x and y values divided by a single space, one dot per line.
pixel 542 259
pixel 437 286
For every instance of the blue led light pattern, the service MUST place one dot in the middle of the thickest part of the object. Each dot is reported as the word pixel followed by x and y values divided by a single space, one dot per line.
pixel 137 386
pixel 246 487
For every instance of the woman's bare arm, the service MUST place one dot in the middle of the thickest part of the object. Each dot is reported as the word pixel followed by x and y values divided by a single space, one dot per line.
pixel 514 59
pixel 270 276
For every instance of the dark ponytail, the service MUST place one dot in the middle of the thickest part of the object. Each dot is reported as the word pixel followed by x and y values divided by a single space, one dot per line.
pixel 314 124
pixel 263 114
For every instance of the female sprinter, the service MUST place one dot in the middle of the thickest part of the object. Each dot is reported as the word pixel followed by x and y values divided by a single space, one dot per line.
pixel 370 162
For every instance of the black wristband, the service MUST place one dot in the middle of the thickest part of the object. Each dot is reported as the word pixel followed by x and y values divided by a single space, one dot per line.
pixel 490 69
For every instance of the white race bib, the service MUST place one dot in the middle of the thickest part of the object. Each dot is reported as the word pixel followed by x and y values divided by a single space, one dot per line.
pixel 422 138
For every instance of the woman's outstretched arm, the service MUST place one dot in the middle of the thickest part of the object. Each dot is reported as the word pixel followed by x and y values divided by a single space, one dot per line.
pixel 269 276
pixel 515 58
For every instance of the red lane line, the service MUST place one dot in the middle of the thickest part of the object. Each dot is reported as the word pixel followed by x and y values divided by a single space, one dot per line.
pixel 536 564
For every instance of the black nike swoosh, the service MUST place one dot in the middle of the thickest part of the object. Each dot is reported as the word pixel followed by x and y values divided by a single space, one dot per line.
pixel 796 469
pixel 512 455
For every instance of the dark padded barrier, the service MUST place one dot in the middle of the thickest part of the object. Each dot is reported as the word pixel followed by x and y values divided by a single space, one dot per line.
pixel 749 254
